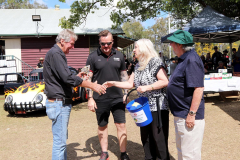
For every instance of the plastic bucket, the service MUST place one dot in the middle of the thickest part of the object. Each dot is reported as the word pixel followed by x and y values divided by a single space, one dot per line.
pixel 140 111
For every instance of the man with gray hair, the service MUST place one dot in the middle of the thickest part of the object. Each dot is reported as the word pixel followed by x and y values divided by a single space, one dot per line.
pixel 185 97
pixel 58 88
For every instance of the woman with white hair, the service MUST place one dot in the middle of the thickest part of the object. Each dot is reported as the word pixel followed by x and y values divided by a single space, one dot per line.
pixel 150 79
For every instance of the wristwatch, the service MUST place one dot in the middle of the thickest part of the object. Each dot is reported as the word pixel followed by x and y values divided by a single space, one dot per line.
pixel 191 113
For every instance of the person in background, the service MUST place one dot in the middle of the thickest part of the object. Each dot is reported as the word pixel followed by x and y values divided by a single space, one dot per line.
pixel 216 57
pixel 235 61
pixel 132 65
pixel 40 64
pixel 150 79
pixel 203 59
pixel 59 81
pixel 126 61
pixel 107 64
pixel 208 62
pixel 204 63
pixel 225 58
pixel 234 52
pixel 221 66
pixel 173 64
pixel 164 59
pixel 185 97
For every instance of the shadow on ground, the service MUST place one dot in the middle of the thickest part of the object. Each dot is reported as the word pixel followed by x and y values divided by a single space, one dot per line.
pixel 229 106
pixel 92 146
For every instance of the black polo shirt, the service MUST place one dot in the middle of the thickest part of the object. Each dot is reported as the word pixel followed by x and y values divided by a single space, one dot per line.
pixel 59 80
pixel 106 68
pixel 188 74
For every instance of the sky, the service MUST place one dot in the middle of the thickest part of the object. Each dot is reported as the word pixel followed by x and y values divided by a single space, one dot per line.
pixel 51 4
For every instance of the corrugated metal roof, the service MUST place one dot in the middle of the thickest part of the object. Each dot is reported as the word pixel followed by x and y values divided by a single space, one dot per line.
pixel 18 22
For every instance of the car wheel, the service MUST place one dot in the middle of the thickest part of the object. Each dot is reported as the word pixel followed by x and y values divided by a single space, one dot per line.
pixel 84 96
pixel 11 113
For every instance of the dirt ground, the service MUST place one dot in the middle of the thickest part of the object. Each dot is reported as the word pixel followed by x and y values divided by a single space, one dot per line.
pixel 28 137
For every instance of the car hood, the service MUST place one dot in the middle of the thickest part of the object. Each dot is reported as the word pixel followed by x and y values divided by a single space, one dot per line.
pixel 31 88
pixel 28 91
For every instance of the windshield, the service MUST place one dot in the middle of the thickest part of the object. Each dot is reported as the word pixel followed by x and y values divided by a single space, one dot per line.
pixel 36 76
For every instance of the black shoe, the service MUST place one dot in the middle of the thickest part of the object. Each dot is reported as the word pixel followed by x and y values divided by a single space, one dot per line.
pixel 124 157
pixel 104 156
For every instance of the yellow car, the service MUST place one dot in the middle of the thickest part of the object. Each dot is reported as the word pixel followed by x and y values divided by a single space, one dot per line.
pixel 21 97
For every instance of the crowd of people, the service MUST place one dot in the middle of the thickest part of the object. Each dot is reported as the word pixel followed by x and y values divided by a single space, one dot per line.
pixel 182 94
pixel 221 60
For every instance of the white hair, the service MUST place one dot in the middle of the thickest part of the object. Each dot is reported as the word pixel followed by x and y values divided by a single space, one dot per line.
pixel 66 34
pixel 146 52
pixel 187 48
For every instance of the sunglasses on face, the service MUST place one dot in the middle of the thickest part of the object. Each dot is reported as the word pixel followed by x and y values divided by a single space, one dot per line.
pixel 108 43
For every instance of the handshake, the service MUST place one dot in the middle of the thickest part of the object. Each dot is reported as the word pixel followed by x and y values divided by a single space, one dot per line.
pixel 104 86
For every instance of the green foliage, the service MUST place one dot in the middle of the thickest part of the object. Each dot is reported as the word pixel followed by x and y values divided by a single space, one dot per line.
pixel 134 29
pixel 20 4
pixel 204 48
pixel 141 10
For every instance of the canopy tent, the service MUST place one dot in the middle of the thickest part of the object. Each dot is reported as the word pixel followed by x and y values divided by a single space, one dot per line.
pixel 209 26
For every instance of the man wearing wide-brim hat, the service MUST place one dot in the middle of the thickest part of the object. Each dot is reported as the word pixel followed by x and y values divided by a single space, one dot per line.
pixel 40 64
pixel 185 97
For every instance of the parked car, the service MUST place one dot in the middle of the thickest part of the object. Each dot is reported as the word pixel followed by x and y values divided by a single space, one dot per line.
pixel 22 96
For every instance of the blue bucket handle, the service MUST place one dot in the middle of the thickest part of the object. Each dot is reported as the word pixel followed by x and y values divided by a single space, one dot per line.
pixel 129 94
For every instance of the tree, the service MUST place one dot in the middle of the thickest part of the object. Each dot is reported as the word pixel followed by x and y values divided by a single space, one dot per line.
pixel 133 29
pixel 20 4
pixel 37 5
pixel 159 29
pixel 204 48
pixel 141 10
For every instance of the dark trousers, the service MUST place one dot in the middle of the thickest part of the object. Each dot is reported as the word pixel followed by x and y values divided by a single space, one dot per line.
pixel 155 140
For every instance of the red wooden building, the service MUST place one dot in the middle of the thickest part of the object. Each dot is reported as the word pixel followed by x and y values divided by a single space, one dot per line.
pixel 30 40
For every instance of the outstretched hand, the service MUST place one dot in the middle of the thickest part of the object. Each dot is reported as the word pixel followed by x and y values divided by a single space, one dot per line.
pixel 108 84
pixel 100 89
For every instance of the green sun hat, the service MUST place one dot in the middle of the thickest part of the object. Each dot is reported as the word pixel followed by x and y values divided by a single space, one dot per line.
pixel 181 37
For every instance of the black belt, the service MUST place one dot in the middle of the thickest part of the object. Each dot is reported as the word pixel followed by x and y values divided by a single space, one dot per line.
pixel 55 99
pixel 64 100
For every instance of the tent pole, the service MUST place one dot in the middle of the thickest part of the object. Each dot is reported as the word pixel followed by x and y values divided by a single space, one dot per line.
pixel 231 53
pixel 169 28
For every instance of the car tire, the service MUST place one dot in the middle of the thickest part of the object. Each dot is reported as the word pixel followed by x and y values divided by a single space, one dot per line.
pixel 11 113
pixel 84 96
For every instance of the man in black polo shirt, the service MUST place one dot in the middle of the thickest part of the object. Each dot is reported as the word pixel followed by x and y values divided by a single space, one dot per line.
pixel 59 81
pixel 185 97
pixel 107 64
